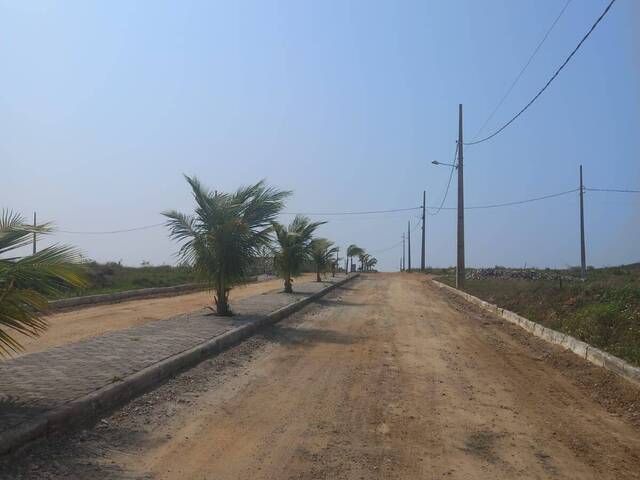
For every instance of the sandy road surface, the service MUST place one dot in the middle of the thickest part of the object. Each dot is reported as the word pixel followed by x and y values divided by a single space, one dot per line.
pixel 75 325
pixel 386 378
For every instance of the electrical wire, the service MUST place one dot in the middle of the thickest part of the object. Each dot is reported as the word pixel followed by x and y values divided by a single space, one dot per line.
pixel 155 225
pixel 518 202
pixel 517 79
pixel 108 232
pixel 329 214
pixel 616 190
pixel 382 250
pixel 553 77
pixel 417 222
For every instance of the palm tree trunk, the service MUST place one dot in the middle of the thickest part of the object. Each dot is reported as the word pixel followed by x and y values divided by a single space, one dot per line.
pixel 222 298
pixel 318 274
pixel 287 284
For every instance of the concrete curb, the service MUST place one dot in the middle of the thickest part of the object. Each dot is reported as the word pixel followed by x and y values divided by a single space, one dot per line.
pixel 89 407
pixel 580 348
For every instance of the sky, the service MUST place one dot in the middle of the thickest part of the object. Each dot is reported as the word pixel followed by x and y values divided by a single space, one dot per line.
pixel 105 105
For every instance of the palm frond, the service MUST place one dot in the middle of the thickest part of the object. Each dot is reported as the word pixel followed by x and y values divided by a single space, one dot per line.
pixel 27 281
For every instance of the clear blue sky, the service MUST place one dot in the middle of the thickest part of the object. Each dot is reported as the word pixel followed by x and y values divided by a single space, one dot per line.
pixel 105 104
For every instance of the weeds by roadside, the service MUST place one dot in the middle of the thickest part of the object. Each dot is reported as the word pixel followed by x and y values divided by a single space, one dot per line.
pixel 603 311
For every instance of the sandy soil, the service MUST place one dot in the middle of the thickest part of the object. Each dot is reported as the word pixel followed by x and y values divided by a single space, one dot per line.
pixel 388 378
pixel 74 325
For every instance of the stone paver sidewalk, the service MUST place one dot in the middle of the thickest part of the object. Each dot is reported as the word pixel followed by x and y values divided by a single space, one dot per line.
pixel 34 384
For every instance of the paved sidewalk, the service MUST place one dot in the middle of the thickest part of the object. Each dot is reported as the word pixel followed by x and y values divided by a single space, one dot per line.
pixel 34 384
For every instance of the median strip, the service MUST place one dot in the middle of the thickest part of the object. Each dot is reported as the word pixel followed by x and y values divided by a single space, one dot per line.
pixel 64 387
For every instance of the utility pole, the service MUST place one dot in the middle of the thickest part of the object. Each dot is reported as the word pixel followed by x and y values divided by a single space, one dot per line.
pixel 583 254
pixel 424 207
pixel 460 260
pixel 403 264
pixel 34 233
pixel 409 243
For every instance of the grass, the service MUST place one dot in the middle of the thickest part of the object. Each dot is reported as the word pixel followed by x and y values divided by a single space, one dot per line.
pixel 603 311
pixel 113 277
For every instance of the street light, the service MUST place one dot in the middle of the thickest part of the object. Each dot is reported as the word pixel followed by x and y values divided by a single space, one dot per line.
pixel 436 162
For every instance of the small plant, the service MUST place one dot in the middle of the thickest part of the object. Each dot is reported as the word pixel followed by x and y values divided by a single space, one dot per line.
pixel 322 253
pixel 353 251
pixel 225 234
pixel 293 247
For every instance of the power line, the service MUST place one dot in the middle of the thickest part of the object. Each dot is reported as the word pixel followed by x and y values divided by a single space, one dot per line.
pixel 440 207
pixel 351 213
pixel 518 202
pixel 553 77
pixel 155 225
pixel 382 250
pixel 108 232
pixel 517 79
pixel 616 190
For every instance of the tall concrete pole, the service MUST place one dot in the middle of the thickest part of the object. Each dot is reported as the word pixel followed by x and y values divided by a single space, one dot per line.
pixel 424 219
pixel 409 244
pixel 403 263
pixel 583 253
pixel 460 261
pixel 34 233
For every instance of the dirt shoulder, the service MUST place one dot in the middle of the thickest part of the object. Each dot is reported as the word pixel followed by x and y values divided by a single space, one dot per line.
pixel 75 325
pixel 386 378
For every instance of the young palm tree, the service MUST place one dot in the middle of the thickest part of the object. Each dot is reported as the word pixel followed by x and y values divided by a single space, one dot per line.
pixel 353 251
pixel 363 256
pixel 26 281
pixel 293 247
pixel 371 262
pixel 322 252
pixel 226 233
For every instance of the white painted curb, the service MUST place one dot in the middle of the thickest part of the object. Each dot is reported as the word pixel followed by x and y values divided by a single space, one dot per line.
pixel 584 350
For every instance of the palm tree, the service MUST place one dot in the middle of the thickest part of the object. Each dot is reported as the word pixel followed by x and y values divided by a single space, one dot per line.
pixel 363 259
pixel 322 251
pixel 293 247
pixel 225 234
pixel 371 262
pixel 353 251
pixel 27 281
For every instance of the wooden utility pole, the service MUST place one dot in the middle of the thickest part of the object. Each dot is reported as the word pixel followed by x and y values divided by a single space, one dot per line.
pixel 424 219
pixel 34 233
pixel 583 253
pixel 460 261
pixel 403 262
pixel 409 244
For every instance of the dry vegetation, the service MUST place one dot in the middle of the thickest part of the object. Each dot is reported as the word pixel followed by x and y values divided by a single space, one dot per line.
pixel 603 311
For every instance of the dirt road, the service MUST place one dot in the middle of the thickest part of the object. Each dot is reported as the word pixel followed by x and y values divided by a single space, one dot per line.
pixel 75 325
pixel 387 378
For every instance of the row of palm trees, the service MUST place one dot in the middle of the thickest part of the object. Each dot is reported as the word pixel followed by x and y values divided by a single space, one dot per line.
pixel 367 262
pixel 221 240
pixel 228 231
